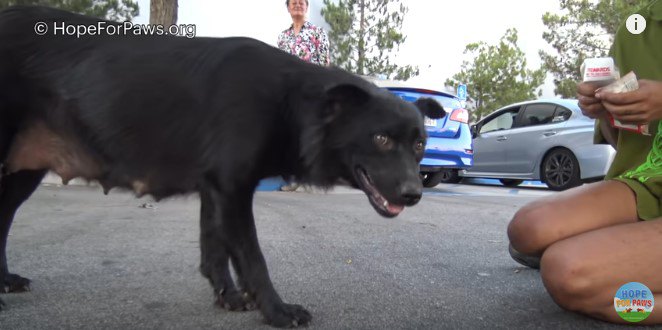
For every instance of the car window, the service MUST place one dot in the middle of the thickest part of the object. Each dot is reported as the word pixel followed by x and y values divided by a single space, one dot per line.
pixel 500 122
pixel 561 114
pixel 537 114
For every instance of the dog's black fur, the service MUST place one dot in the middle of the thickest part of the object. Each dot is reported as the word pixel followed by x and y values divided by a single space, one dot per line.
pixel 166 115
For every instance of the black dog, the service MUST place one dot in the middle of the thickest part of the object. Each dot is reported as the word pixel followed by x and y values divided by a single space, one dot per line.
pixel 167 115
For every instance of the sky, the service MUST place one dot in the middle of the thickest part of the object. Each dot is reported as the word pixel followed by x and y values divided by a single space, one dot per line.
pixel 437 30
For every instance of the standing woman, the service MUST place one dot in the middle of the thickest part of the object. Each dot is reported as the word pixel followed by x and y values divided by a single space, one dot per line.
pixel 306 41
pixel 303 39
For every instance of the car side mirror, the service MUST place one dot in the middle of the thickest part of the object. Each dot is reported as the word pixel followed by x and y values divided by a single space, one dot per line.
pixel 474 131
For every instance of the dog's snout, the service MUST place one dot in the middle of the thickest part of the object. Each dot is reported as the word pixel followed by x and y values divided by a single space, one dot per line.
pixel 411 194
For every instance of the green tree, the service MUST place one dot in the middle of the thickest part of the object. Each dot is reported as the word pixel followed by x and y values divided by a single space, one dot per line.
pixel 117 10
pixel 497 75
pixel 584 29
pixel 365 35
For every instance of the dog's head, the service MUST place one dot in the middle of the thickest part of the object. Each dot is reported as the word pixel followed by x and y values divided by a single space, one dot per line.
pixel 372 140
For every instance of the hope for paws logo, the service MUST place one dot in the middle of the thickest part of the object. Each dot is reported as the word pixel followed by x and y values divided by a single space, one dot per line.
pixel 634 302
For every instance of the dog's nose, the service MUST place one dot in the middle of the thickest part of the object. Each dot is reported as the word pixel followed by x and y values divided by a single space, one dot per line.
pixel 411 194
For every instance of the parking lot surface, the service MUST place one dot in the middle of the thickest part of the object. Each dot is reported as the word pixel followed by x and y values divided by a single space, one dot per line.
pixel 117 262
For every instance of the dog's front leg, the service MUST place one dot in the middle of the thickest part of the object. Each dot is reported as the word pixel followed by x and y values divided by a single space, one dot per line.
pixel 14 190
pixel 237 226
pixel 215 258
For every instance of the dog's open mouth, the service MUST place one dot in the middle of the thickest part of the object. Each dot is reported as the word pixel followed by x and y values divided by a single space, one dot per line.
pixel 381 205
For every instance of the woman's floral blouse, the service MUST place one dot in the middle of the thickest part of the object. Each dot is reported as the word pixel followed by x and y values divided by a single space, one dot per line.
pixel 311 44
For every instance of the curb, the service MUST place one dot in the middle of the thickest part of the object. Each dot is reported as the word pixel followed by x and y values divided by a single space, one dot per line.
pixel 268 184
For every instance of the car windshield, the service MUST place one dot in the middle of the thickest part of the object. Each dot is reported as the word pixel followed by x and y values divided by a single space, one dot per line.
pixel 449 103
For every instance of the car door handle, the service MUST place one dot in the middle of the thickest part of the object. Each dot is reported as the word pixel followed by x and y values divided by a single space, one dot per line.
pixel 502 138
pixel 549 133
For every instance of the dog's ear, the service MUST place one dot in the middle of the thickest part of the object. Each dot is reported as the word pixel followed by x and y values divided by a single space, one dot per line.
pixel 347 94
pixel 430 108
pixel 344 95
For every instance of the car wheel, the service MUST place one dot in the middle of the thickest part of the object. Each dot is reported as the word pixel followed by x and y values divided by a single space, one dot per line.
pixel 432 179
pixel 560 170
pixel 450 176
pixel 510 182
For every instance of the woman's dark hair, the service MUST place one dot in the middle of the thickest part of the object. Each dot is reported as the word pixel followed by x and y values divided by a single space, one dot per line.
pixel 287 3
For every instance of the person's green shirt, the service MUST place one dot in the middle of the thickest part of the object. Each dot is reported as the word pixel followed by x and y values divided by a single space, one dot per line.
pixel 638 161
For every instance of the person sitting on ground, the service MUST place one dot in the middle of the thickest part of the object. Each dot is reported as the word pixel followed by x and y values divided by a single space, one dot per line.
pixel 591 240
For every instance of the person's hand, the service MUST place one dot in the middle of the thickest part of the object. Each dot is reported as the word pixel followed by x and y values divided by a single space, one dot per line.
pixel 637 107
pixel 590 105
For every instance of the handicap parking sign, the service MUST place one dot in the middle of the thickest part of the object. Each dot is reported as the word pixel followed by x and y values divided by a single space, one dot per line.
pixel 462 92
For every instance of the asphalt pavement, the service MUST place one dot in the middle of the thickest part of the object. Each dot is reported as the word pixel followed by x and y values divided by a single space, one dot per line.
pixel 117 262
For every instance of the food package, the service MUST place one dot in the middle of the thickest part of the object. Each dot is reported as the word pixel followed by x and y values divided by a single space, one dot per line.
pixel 627 83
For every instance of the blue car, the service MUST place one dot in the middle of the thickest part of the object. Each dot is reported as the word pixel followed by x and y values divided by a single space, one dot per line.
pixel 449 146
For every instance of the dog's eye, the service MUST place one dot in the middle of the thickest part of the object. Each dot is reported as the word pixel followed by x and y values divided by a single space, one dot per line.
pixel 419 146
pixel 383 142
pixel 381 139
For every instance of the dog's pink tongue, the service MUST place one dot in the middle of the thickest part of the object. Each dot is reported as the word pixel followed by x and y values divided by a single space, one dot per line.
pixel 395 209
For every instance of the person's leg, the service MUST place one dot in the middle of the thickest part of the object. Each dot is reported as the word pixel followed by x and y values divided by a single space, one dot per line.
pixel 582 273
pixel 539 224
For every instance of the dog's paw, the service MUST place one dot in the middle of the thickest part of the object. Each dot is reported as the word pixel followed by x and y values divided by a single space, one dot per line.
pixel 15 283
pixel 288 316
pixel 235 301
pixel 2 304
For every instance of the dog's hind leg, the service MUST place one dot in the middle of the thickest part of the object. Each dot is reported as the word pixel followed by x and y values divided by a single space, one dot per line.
pixel 215 260
pixel 15 188
pixel 234 228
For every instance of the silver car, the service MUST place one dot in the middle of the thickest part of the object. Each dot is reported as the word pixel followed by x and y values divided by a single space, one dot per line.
pixel 546 140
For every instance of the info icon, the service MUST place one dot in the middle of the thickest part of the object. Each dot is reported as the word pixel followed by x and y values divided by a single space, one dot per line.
pixel 636 24
pixel 634 302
